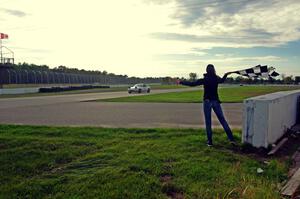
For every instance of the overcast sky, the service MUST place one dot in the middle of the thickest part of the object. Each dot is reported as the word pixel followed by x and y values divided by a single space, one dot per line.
pixel 154 37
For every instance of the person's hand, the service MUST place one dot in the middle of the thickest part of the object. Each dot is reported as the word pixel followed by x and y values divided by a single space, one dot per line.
pixel 228 73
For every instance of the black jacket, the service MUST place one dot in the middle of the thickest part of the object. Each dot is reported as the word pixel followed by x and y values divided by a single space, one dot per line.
pixel 210 83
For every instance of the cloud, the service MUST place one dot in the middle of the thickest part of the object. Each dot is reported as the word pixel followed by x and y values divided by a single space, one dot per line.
pixel 257 59
pixel 255 39
pixel 224 63
pixel 240 23
pixel 227 60
pixel 16 13
pixel 31 50
pixel 191 12
pixel 159 2
pixel 220 58
pixel 180 57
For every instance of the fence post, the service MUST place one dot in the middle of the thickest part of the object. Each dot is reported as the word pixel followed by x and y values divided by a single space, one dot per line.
pixel 47 76
pixel 298 111
pixel 20 78
pixel 69 78
pixel 27 79
pixel 64 75
pixel 41 76
pixel 8 75
pixel 34 76
pixel 16 76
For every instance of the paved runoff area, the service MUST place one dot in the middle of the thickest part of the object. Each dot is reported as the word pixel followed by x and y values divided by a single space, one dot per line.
pixel 80 110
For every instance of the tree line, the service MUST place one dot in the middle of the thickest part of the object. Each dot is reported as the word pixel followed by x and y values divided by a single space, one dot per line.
pixel 283 79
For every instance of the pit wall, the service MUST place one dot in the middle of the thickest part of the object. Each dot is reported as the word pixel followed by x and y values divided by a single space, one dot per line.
pixel 12 91
pixel 267 117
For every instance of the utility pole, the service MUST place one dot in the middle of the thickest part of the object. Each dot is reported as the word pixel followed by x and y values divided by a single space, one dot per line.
pixel 1 55
pixel 2 59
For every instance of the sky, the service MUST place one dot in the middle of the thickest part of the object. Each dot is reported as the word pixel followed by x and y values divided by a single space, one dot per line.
pixel 154 37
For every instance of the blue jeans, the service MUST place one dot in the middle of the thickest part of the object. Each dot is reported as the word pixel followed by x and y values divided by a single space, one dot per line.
pixel 215 105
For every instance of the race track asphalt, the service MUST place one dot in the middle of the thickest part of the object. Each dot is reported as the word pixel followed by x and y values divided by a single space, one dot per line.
pixel 79 110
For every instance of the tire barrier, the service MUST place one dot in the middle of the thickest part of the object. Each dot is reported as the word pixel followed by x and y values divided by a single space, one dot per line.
pixel 69 88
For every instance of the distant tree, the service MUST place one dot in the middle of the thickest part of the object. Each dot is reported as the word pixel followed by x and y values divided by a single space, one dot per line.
pixel 229 80
pixel 297 80
pixel 104 72
pixel 193 76
pixel 244 80
pixel 238 79
pixel 167 80
pixel 288 79
pixel 255 80
pixel 61 68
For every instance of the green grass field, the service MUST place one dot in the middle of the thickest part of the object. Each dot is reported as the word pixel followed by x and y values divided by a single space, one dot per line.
pixel 226 94
pixel 54 162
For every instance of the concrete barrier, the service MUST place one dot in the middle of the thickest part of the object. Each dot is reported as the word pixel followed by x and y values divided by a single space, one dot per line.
pixel 12 91
pixel 266 118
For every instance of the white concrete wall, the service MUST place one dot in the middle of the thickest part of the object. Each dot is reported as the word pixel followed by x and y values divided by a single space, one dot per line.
pixel 11 91
pixel 266 117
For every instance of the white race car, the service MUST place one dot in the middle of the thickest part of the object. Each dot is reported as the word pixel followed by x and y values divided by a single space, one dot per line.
pixel 139 88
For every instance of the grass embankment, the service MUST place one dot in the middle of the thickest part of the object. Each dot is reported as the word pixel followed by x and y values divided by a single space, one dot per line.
pixel 226 94
pixel 52 162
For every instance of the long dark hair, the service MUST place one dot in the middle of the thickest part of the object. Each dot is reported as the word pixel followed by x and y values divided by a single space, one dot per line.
pixel 210 70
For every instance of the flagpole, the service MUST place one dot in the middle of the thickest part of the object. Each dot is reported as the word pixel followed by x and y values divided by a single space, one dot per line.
pixel 1 51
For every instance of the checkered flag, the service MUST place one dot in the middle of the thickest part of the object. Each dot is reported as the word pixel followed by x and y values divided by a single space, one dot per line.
pixel 258 72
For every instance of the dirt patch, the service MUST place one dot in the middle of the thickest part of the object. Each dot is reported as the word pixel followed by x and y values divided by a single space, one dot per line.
pixel 172 191
pixel 295 163
pixel 289 152
pixel 3 146
pixel 260 154
pixel 283 154
pixel 168 187
pixel 165 179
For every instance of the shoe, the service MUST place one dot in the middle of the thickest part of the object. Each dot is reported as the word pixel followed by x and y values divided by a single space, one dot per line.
pixel 233 143
pixel 209 144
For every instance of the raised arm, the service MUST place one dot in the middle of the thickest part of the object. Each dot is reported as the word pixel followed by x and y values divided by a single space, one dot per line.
pixel 222 80
pixel 195 83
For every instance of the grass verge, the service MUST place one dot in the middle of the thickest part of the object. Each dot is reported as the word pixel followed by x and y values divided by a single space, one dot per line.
pixel 63 162
pixel 226 94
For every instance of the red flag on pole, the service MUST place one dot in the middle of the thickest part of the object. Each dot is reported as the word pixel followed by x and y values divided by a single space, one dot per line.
pixel 3 36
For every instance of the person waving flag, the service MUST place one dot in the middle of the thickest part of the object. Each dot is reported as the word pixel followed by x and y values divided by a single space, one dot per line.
pixel 211 101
